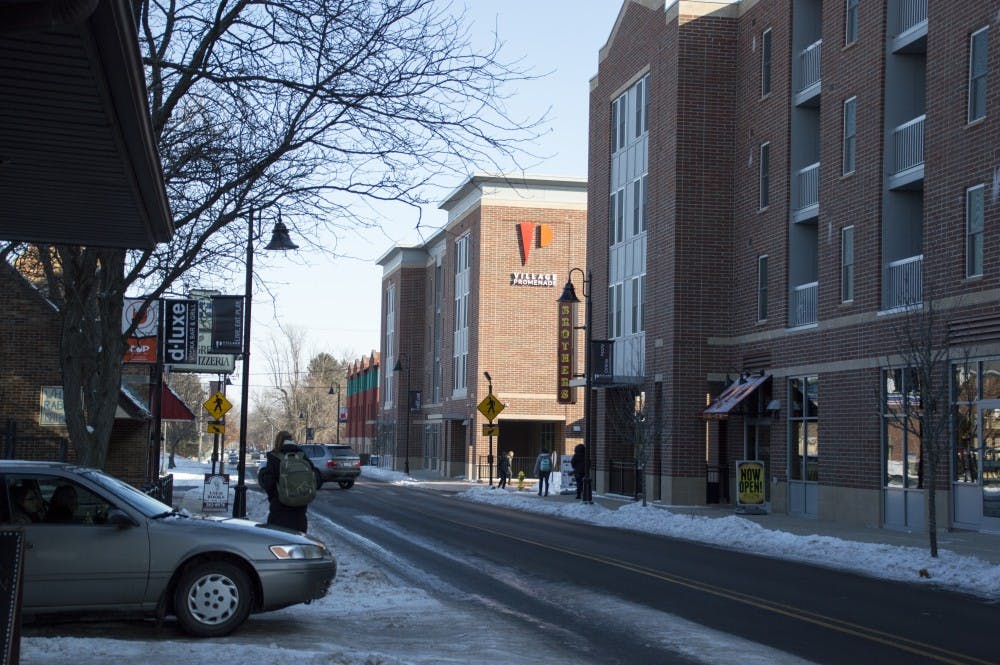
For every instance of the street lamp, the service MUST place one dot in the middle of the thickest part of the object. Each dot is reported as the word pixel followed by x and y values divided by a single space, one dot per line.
pixel 304 415
pixel 399 368
pixel 279 240
pixel 330 392
pixel 569 297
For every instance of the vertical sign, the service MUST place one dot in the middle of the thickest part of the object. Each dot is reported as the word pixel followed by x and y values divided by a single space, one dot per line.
pixel 227 324
pixel 750 479
pixel 566 352
pixel 602 366
pixel 180 331
pixel 343 414
pixel 141 346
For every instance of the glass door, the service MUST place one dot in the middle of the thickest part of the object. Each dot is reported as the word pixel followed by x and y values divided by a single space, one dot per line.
pixel 989 462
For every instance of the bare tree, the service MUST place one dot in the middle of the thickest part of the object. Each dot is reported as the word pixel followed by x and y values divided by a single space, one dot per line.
pixel 302 109
pixel 183 437
pixel 633 422
pixel 920 396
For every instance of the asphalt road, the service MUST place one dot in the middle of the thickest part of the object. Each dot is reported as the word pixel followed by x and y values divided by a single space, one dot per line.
pixel 618 596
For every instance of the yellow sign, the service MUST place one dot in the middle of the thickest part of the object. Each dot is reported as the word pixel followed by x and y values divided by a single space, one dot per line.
pixel 491 430
pixel 491 406
pixel 217 405
pixel 750 483
pixel 215 428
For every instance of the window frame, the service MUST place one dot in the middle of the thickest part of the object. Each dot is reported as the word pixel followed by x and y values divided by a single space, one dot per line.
pixel 850 22
pixel 977 81
pixel 849 148
pixel 762 280
pixel 974 237
pixel 766 57
pixel 764 175
pixel 847 264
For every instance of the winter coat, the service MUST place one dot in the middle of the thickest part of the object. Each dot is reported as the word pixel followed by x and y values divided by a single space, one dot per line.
pixel 289 517
pixel 538 464
pixel 504 466
pixel 579 459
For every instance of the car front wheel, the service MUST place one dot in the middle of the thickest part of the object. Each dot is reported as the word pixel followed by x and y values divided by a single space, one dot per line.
pixel 346 484
pixel 212 599
pixel 319 480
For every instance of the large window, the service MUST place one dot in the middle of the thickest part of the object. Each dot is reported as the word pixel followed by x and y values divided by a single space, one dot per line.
pixel 437 342
pixel 461 354
pixel 762 287
pixel 977 74
pixel 849 149
pixel 847 264
pixel 901 415
pixel 765 175
pixel 638 302
pixel 803 423
pixel 390 341
pixel 616 305
pixel 974 231
pixel 617 225
pixel 850 21
pixel 765 63
pixel 639 206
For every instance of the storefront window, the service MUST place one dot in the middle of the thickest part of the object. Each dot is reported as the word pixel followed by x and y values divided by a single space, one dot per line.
pixel 902 426
pixel 966 466
pixel 803 453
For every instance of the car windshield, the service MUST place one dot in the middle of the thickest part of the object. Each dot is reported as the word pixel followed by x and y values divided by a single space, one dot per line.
pixel 141 501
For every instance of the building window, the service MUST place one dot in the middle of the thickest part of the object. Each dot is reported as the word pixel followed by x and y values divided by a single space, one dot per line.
pixel 461 337
pixel 850 21
pixel 974 231
pixel 762 288
pixel 619 118
pixel 617 225
pixel 437 342
pixel 901 418
pixel 638 302
pixel 640 107
pixel 850 113
pixel 390 339
pixel 639 206
pixel 803 423
pixel 616 305
pixel 765 63
pixel 765 177
pixel 977 74
pixel 847 264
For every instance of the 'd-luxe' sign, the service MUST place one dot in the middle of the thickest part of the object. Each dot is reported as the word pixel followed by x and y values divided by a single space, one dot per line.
pixel 180 331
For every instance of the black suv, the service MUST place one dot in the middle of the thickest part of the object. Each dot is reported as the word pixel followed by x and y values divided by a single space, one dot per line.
pixel 333 462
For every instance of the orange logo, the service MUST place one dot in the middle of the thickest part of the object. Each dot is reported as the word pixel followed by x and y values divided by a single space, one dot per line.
pixel 526 236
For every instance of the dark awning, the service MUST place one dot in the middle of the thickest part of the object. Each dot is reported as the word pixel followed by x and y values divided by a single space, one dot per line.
pixel 732 396
pixel 173 408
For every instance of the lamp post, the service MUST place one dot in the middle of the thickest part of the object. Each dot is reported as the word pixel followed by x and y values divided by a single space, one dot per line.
pixel 569 296
pixel 330 392
pixel 304 416
pixel 406 437
pixel 279 240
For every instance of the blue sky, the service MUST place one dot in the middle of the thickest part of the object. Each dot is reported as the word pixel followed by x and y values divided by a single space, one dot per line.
pixel 338 302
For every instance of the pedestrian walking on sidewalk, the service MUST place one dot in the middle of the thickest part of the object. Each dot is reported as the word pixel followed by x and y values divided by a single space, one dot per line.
pixel 579 462
pixel 543 467
pixel 503 469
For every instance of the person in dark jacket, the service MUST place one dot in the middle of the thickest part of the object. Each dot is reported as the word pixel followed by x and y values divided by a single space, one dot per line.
pixel 541 473
pixel 579 462
pixel 503 469
pixel 289 517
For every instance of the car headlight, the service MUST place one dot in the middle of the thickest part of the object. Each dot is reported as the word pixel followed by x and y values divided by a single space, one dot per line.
pixel 298 551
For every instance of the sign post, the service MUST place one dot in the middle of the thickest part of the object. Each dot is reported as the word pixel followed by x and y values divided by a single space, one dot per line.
pixel 491 408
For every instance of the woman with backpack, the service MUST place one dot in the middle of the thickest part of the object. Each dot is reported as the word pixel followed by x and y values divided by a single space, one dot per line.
pixel 543 467
pixel 284 480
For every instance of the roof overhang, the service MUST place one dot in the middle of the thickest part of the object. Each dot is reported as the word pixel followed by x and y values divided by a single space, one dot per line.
pixel 78 157
pixel 731 397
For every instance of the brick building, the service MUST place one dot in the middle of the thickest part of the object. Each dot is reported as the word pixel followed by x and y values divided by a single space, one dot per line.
pixel 480 297
pixel 362 403
pixel 782 194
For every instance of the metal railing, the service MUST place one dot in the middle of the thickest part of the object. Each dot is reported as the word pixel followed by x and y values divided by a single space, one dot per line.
pixel 623 478
pixel 909 13
pixel 162 488
pixel 908 145
pixel 904 282
pixel 809 61
pixel 803 305
pixel 807 186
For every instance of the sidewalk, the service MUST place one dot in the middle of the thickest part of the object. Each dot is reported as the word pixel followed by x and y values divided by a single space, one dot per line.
pixel 969 543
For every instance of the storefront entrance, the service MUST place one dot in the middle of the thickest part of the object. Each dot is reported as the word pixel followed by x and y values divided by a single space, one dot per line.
pixel 976 488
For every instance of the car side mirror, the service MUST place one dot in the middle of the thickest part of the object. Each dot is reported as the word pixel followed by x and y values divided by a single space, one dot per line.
pixel 120 518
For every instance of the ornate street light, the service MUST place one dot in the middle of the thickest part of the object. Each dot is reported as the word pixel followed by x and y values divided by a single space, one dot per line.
pixel 568 297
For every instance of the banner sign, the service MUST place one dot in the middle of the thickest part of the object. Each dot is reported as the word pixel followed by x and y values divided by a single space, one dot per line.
pixel 141 346
pixel 750 479
pixel 565 354
pixel 207 362
pixel 215 494
pixel 180 331
pixel 227 324
pixel 343 414
pixel 52 412
pixel 602 361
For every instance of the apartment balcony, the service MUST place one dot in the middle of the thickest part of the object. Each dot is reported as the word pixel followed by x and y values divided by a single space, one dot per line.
pixel 903 286
pixel 907 165
pixel 803 307
pixel 805 204
pixel 909 26
pixel 807 77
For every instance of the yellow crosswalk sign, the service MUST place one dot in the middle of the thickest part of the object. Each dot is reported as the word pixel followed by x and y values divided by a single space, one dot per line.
pixel 491 406
pixel 217 405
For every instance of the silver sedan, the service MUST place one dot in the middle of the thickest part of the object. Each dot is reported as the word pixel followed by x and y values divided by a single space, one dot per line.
pixel 94 544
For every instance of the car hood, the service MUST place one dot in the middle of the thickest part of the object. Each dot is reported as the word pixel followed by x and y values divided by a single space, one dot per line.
pixel 238 528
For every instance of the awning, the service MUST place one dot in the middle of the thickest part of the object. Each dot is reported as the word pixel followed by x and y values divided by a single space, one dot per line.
pixel 732 396
pixel 173 408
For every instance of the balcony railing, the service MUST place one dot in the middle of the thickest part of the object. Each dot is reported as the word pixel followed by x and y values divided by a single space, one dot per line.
pixel 803 304
pixel 807 186
pixel 909 14
pixel 908 145
pixel 809 59
pixel 904 282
